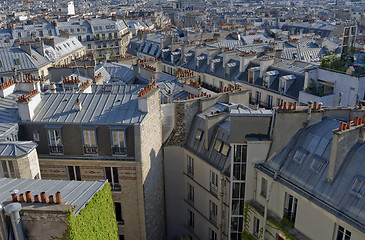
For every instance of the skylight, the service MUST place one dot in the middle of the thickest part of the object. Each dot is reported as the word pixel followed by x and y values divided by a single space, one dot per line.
pixel 359 186
pixel 317 163
pixel 299 155
pixel 199 134
pixel 218 145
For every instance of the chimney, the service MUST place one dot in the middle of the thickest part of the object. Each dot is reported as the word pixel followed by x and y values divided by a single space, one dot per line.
pixel 58 198
pixel 78 106
pixel 14 195
pixel 26 48
pixel 245 60
pixel 43 197
pixel 265 64
pixel 27 103
pixel 28 195
pixel 343 140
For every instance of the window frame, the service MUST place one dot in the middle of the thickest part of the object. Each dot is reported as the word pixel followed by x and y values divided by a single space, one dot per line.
pixel 89 148
pixel 10 170
pixel 76 170
pixel 190 165
pixel 114 183
pixel 119 149
pixel 264 185
pixel 55 145
pixel 118 217
pixel 290 207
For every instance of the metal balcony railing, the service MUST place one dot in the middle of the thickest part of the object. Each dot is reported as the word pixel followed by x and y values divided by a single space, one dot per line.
pixel 56 149
pixel 119 150
pixel 90 149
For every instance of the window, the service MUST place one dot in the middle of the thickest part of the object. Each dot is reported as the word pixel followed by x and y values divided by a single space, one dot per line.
pixel 343 234
pixel 73 173
pixel 269 101
pixel 299 155
pixel 317 163
pixel 121 237
pixel 119 146
pixel 212 235
pixel 213 210
pixel 190 219
pixel 35 135
pixel 263 187
pixel 218 145
pixel 55 141
pixel 258 97
pixel 89 137
pixel 190 166
pixel 115 35
pixel 199 134
pixel 256 226
pixel 7 169
pixel 16 61
pixel 213 182
pixel 111 173
pixel 118 212
pixel 290 207
pixel 279 101
pixel 190 192
pixel 358 187
pixel 1 64
pixel 225 149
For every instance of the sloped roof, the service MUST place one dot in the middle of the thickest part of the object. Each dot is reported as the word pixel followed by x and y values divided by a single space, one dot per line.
pixel 75 193
pixel 337 197
pixel 16 149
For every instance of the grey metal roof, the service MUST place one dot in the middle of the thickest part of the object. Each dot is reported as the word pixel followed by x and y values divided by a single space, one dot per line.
pixel 9 116
pixel 220 131
pixel 96 108
pixel 311 182
pixel 16 149
pixel 76 193
pixel 8 58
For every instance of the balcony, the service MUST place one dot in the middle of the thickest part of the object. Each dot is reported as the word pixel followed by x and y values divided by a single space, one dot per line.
pixel 119 150
pixel 115 187
pixel 56 149
pixel 90 149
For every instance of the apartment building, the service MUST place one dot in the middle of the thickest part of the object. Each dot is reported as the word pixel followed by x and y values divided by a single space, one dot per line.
pixel 312 188
pixel 270 79
pixel 205 165
pixel 105 38
pixel 108 135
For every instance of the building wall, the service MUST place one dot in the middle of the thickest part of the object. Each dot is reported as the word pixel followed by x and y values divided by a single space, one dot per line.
pixel 311 220
pixel 150 156
pixel 91 170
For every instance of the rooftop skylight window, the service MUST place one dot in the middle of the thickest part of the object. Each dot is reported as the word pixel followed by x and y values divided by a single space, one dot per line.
pixel 299 155
pixel 317 163
pixel 218 145
pixel 199 135
pixel 225 149
pixel 359 186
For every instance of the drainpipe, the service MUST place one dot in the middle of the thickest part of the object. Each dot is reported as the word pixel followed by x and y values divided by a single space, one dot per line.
pixel 3 228
pixel 13 209
pixel 221 194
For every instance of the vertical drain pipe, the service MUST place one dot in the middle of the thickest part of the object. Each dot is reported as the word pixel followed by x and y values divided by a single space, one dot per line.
pixel 13 209
pixel 3 227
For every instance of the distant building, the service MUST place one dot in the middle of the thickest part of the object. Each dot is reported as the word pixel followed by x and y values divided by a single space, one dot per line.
pixel 66 8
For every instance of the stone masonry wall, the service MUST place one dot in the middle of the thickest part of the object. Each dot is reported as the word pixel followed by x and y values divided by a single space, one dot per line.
pixel 152 168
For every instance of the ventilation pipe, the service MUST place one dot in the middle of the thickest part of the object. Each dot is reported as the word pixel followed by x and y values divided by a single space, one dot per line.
pixel 13 209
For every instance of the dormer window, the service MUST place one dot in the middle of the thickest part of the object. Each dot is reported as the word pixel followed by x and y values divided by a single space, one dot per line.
pixel 359 186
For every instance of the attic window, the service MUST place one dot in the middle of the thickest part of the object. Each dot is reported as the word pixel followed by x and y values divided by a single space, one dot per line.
pixel 16 61
pixel 199 135
pixel 317 163
pixel 359 186
pixel 299 155
pixel 218 145
pixel 225 149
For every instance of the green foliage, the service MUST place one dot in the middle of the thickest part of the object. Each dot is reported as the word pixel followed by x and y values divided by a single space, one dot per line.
pixel 275 225
pixel 247 236
pixel 95 221
pixel 286 222
pixel 312 88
